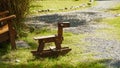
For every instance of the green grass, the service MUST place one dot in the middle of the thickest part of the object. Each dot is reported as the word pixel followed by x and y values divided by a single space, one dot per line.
pixel 116 9
pixel 55 5
pixel 74 59
pixel 113 21
pixel 54 64
pixel 115 24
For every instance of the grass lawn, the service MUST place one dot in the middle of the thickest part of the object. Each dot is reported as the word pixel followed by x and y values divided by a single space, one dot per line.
pixel 55 5
pixel 22 58
pixel 117 9
pixel 77 58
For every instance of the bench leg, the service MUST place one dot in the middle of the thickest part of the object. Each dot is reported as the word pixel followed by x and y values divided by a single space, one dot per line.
pixel 41 46
pixel 12 41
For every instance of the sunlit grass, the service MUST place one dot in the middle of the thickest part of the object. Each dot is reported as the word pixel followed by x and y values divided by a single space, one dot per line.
pixel 71 60
pixel 55 5
pixel 115 24
pixel 55 64
pixel 74 59
pixel 116 9
pixel 113 21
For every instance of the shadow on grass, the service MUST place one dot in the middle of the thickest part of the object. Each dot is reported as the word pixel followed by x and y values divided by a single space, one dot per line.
pixel 114 9
pixel 4 48
pixel 32 45
pixel 93 64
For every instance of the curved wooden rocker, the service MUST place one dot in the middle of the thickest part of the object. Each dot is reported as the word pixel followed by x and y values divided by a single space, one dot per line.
pixel 7 31
pixel 57 39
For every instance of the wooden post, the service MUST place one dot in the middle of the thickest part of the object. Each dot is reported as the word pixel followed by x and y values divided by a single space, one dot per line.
pixel 60 30
pixel 12 33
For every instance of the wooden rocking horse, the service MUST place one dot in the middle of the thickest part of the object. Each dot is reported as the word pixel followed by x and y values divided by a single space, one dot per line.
pixel 57 39
pixel 7 32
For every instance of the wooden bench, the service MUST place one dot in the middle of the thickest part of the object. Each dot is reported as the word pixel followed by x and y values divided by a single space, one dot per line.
pixel 57 39
pixel 7 31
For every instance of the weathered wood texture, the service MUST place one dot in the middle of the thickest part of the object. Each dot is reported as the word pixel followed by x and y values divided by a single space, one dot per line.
pixel 57 39
pixel 7 31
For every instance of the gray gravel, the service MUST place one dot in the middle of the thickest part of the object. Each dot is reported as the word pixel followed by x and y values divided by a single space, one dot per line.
pixel 77 17
pixel 104 5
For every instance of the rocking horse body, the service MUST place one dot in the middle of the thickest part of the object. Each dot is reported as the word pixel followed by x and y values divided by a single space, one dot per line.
pixel 57 39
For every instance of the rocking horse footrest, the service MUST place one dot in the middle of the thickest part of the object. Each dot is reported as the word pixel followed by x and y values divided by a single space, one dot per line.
pixel 52 53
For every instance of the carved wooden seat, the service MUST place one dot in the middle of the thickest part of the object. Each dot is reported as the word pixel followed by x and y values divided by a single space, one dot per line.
pixel 7 32
pixel 57 39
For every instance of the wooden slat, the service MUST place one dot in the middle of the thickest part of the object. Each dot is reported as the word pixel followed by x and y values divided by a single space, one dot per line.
pixel 7 18
pixel 4 29
pixel 7 32
pixel 44 37
pixel 4 36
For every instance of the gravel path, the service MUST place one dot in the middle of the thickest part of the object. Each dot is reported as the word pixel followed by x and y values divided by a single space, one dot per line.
pixel 83 22
pixel 104 5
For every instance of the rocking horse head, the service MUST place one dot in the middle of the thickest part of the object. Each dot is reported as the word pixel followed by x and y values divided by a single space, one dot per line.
pixel 63 24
